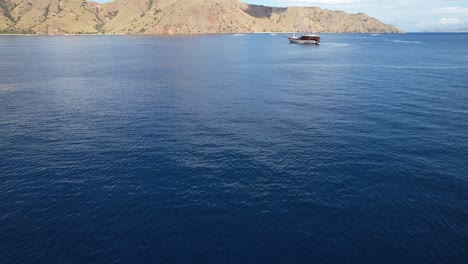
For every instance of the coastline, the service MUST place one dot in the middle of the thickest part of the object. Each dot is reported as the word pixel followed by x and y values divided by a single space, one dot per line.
pixel 201 34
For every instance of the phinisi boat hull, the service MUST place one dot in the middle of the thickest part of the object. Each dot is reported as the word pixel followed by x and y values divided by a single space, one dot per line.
pixel 310 40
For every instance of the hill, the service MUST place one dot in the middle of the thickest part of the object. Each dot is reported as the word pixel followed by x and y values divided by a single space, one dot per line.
pixel 175 17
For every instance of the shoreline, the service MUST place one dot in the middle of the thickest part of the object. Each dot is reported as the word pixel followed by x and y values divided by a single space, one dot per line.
pixel 201 34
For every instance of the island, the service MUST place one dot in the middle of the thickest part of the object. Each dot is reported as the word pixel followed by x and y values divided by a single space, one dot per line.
pixel 52 17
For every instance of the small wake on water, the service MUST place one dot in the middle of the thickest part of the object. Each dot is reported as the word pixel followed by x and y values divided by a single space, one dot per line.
pixel 335 44
pixel 418 67
pixel 426 67
pixel 8 88
pixel 407 41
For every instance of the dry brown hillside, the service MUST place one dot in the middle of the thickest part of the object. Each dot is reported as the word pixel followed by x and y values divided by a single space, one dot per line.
pixel 174 17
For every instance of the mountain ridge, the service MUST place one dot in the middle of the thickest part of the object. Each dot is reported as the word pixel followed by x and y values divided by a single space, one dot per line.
pixel 175 17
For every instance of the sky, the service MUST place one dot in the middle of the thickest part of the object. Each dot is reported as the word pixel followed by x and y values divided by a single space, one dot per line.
pixel 408 15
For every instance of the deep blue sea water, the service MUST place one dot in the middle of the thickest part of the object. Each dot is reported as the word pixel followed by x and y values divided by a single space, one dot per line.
pixel 224 149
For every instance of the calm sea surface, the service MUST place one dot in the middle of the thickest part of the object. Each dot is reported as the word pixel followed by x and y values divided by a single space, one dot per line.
pixel 225 149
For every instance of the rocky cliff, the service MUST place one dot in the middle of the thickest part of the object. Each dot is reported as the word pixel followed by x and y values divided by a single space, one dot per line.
pixel 175 17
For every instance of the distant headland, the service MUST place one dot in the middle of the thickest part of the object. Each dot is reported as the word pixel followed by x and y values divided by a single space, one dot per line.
pixel 52 17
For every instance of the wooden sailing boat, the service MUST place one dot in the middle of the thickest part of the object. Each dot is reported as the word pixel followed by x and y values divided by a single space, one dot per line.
pixel 304 39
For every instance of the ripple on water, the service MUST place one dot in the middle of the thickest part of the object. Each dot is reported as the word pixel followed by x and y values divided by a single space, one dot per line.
pixel 222 149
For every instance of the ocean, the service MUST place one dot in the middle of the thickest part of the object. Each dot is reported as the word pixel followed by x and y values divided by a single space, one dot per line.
pixel 234 149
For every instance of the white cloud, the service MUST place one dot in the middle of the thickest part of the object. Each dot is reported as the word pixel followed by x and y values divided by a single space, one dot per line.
pixel 326 2
pixel 450 21
pixel 451 10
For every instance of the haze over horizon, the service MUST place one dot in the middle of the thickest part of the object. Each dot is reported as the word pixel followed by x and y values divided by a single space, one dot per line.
pixel 410 16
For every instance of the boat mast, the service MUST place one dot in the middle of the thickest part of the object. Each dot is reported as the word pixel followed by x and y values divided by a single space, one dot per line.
pixel 294 27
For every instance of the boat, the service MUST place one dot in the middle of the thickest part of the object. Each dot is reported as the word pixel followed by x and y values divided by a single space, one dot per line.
pixel 305 39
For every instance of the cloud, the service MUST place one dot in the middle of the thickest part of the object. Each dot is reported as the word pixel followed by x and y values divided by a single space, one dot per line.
pixel 449 21
pixel 325 2
pixel 442 22
pixel 451 10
